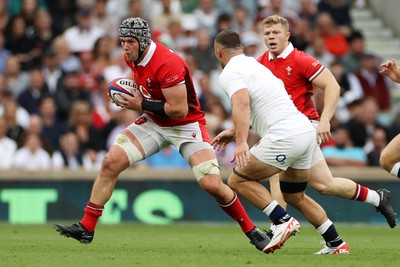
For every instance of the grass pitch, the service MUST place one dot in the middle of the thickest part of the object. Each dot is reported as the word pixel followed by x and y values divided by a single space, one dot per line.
pixel 190 245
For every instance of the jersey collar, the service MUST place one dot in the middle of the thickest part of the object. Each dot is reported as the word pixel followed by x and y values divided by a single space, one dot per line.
pixel 149 55
pixel 289 49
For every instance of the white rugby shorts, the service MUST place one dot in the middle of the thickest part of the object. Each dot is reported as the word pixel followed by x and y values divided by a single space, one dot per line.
pixel 295 151
pixel 188 139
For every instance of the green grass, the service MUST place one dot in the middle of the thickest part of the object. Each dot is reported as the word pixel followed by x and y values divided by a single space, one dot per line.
pixel 190 245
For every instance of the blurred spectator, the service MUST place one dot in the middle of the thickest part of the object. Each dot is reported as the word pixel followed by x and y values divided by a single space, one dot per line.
pixel 101 104
pixel 4 15
pixel 350 90
pixel 4 54
pixel 163 13
pixel 121 8
pixel 71 156
pixel 102 53
pixel 301 35
pixel 30 98
pixel 69 91
pixel 31 156
pixel 68 61
pixel 308 12
pixel 51 70
pixel 317 49
pixel 7 146
pixel 352 60
pixel 80 122
pixel 36 127
pixel 224 22
pixel 277 7
pixel 28 11
pixel 108 22
pixel 216 115
pixel 204 51
pixel 206 15
pixel 17 80
pixel 15 129
pixel 335 41
pixel 42 35
pixel 88 72
pixel 204 92
pixel 195 71
pixel 343 153
pixel 62 12
pixel 167 158
pixel 135 9
pixel 241 20
pixel 18 42
pixel 187 39
pixel 3 87
pixel 83 35
pixel 373 83
pixel 117 70
pixel 53 127
pixel 253 44
pixel 228 6
pixel 340 12
pixel 364 122
pixel 379 141
pixel 22 116
pixel 170 33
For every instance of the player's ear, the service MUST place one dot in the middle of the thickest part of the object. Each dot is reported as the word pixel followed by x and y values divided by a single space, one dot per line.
pixel 218 52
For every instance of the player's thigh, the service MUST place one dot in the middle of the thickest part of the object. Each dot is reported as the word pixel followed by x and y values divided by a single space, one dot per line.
pixel 146 136
pixel 257 169
pixel 391 153
pixel 190 139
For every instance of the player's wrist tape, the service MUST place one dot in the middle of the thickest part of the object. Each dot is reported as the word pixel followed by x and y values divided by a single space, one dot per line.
pixel 155 107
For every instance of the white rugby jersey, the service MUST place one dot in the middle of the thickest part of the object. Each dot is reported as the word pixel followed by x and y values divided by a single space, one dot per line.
pixel 272 111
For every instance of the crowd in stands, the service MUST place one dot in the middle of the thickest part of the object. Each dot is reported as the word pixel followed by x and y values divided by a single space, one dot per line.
pixel 57 58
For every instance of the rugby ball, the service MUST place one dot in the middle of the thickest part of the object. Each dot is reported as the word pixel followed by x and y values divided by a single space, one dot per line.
pixel 119 87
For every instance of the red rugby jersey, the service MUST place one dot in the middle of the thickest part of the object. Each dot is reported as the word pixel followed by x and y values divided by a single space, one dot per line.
pixel 297 70
pixel 162 68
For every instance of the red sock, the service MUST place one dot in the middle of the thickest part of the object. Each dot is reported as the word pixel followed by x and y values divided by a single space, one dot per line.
pixel 361 193
pixel 236 211
pixel 92 214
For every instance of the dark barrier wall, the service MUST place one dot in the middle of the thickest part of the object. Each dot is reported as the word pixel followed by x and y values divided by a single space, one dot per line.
pixel 158 197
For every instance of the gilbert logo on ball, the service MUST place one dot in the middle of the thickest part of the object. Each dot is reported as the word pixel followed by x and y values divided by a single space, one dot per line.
pixel 120 87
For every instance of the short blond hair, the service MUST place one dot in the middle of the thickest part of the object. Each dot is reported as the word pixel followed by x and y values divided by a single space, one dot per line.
pixel 276 19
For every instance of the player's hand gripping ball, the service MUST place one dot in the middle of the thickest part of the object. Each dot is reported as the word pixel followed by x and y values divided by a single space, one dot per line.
pixel 119 87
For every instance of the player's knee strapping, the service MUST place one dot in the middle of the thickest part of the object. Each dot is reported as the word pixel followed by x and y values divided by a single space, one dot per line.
pixel 292 188
pixel 133 153
pixel 244 176
pixel 205 168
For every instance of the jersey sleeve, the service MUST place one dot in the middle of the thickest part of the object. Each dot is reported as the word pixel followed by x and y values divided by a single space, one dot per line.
pixel 171 73
pixel 310 66
pixel 232 82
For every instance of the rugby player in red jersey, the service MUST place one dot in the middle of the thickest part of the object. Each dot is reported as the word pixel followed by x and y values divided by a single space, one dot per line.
pixel 171 115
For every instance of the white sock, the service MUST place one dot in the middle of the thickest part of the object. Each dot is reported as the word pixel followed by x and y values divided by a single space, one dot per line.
pixel 395 170
pixel 373 198
pixel 268 210
pixel 323 227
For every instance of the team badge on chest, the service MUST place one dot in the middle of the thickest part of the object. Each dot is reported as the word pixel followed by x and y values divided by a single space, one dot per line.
pixel 289 71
